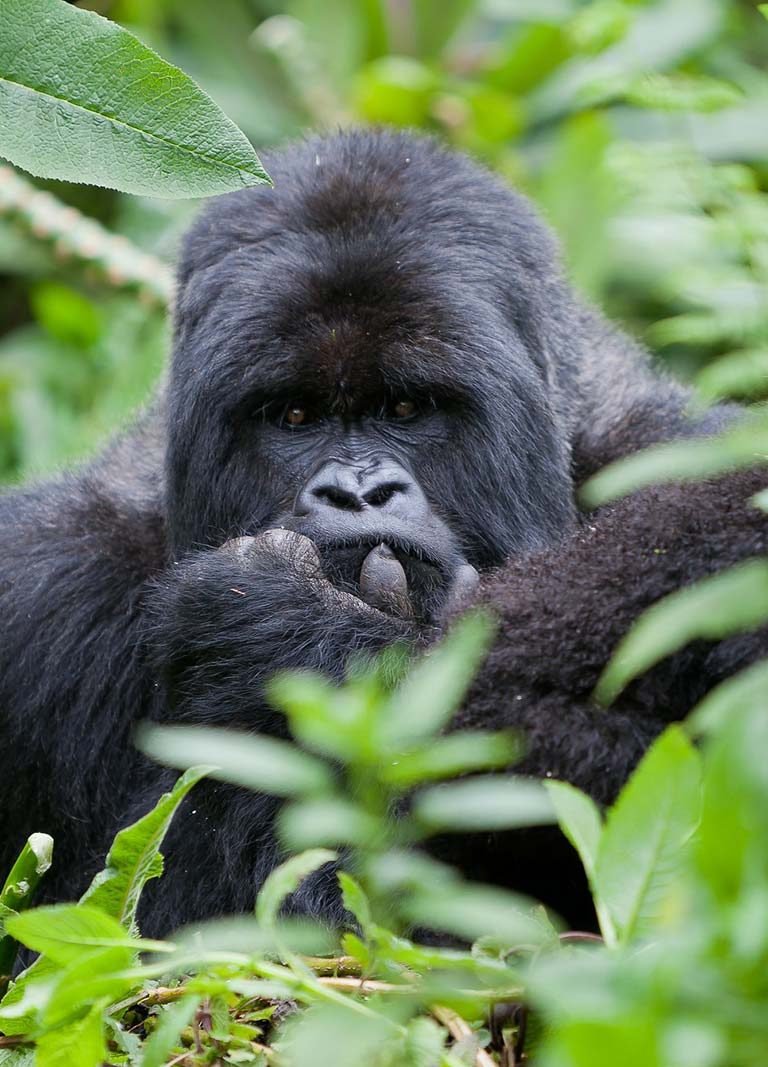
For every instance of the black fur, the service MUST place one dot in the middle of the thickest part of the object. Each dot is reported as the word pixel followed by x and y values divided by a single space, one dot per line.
pixel 380 264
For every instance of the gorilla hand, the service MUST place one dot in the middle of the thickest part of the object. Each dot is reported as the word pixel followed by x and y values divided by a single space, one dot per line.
pixel 226 619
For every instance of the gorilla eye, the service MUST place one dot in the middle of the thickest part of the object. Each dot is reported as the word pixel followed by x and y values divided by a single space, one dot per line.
pixel 295 415
pixel 403 409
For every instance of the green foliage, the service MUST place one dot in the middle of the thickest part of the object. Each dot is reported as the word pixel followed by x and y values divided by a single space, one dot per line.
pixel 678 867
pixel 81 99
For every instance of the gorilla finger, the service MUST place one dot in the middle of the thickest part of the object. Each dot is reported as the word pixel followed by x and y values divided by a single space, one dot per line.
pixel 461 590
pixel 383 583
pixel 295 548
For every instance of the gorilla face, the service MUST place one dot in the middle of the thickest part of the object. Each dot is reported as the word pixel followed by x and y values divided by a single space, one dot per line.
pixel 338 375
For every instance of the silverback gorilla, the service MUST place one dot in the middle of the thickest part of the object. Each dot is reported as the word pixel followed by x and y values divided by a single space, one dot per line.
pixel 382 399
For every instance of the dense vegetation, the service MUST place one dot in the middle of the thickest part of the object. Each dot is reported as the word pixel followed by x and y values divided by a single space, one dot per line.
pixel 639 128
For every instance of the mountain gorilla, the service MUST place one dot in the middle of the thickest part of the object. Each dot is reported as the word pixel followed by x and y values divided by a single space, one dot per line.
pixel 382 398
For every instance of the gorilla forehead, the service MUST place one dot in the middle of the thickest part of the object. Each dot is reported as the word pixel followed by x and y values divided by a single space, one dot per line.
pixel 358 260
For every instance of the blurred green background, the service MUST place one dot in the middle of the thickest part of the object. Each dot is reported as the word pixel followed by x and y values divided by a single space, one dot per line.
pixel 640 127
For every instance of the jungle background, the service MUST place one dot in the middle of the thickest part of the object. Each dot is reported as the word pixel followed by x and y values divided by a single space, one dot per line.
pixel 640 127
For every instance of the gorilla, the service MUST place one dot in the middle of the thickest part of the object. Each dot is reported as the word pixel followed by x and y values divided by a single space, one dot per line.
pixel 382 400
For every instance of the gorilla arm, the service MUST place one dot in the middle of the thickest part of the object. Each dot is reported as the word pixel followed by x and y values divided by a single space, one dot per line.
pixel 562 613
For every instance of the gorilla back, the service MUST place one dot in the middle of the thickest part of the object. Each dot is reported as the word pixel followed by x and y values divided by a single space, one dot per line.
pixel 382 397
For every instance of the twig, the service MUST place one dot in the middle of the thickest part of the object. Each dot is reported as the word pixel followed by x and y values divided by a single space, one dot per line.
pixel 75 236
pixel 460 1030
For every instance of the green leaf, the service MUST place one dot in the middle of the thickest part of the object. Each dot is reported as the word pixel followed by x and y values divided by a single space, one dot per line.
pixel 285 879
pixel 63 932
pixel 580 820
pixel 679 92
pixel 265 764
pixel 355 900
pixel 471 911
pixel 19 889
pixel 485 803
pixel 99 974
pixel 81 99
pixel 327 821
pixel 165 1038
pixel 134 857
pixel 424 1043
pixel 746 691
pixel 738 374
pixel 429 696
pixel 736 599
pixel 744 446
pixel 446 757
pixel 642 849
pixel 80 1044
pixel 435 22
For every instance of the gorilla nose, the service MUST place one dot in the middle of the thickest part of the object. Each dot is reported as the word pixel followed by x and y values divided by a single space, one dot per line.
pixel 338 486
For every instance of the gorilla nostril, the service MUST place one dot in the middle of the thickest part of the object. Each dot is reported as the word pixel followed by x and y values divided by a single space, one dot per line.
pixel 339 498
pixel 382 494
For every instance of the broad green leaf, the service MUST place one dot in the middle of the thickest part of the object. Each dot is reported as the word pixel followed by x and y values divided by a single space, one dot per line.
pixel 485 803
pixel 98 974
pixel 258 762
pixel 79 1044
pixel 642 849
pixel 581 822
pixel 163 1040
pixel 740 694
pixel 744 446
pixel 19 889
pixel 82 100
pixel 734 600
pixel 446 757
pixel 134 857
pixel 738 374
pixel 285 879
pixel 433 690
pixel 327 821
pixel 63 932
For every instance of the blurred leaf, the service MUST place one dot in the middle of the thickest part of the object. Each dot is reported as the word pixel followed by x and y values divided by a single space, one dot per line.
pixel 244 935
pixel 469 910
pixel 396 90
pixel 599 25
pixel 435 22
pixel 263 763
pixel 81 99
pixel 744 445
pixel 665 92
pixel 485 803
pixel 81 1043
pixel 327 821
pixel 355 900
pixel 579 197
pixel 642 849
pixel 737 374
pixel 435 686
pixel 745 692
pixel 445 757
pixel 734 600
pixel 65 314
pixel 531 54
pixel 134 857
pixel 285 879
